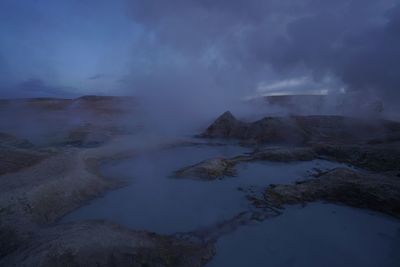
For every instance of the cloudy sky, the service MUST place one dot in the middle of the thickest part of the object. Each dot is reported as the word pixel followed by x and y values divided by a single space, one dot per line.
pixel 199 48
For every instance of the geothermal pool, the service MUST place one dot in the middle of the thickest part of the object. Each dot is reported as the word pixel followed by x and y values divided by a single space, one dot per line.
pixel 155 201
pixel 317 235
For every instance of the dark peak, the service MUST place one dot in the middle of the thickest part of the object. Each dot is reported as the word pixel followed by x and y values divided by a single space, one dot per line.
pixel 221 126
pixel 227 115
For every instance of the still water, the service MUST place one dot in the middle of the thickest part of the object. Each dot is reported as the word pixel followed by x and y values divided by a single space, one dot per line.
pixel 315 235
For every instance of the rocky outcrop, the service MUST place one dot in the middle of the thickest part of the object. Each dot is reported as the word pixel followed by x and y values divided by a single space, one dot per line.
pixel 211 169
pixel 301 130
pixel 374 158
pixel 384 159
pixel 226 125
pixel 368 144
pixel 376 192
pixel 266 130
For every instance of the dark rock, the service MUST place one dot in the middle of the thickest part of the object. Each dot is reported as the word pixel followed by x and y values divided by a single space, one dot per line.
pixel 374 158
pixel 285 154
pixel 208 170
pixel 217 168
pixel 225 125
pixel 375 192
pixel 301 129
pixel 266 130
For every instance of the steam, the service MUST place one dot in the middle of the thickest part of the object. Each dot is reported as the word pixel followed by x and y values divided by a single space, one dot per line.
pixel 214 50
pixel 193 59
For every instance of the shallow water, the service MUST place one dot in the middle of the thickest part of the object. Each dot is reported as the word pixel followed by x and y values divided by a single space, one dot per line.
pixel 154 201
pixel 317 235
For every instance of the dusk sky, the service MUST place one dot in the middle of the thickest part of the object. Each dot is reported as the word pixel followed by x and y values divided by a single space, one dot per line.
pixel 203 48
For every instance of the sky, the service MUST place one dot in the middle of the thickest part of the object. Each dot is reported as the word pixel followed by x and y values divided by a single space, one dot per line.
pixel 199 49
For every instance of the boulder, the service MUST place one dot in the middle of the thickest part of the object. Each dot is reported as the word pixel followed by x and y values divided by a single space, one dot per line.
pixel 210 169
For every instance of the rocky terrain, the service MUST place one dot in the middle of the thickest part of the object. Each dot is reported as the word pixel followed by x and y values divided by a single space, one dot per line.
pixel 383 159
pixel 39 183
pixel 372 191
pixel 302 130
pixel 16 154
pixel 42 181
pixel 36 196
pixel 375 186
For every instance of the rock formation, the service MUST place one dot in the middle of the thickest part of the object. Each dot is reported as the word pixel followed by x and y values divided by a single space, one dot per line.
pixel 210 169
pixel 301 130
pixel 361 190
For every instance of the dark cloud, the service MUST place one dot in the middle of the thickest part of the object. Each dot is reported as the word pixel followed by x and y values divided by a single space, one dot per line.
pixel 360 46
pixel 238 44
